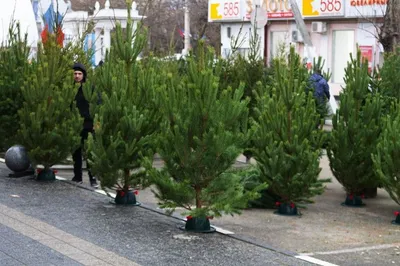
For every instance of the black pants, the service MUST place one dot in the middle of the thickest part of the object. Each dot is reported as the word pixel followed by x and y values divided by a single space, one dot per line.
pixel 77 157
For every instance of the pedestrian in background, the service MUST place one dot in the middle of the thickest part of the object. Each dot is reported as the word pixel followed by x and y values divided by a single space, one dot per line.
pixel 83 106
pixel 321 93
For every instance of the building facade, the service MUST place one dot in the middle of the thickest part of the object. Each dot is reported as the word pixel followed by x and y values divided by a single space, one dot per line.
pixel 336 28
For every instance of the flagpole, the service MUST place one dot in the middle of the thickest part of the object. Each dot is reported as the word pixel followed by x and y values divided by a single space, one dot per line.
pixel 186 48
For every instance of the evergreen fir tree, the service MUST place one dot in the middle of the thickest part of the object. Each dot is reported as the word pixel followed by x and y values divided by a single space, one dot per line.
pixel 387 157
pixel 15 66
pixel 388 75
pixel 127 119
pixel 248 69
pixel 286 142
pixel 385 81
pixel 202 140
pixel 356 128
pixel 50 125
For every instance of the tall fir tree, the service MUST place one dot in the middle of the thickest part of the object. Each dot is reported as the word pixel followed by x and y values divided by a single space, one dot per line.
pixel 286 141
pixel 201 141
pixel 388 75
pixel 127 119
pixel 384 80
pixel 356 128
pixel 15 66
pixel 248 69
pixel 387 156
pixel 50 124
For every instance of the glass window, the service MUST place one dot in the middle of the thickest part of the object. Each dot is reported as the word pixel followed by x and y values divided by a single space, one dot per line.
pixel 343 45
pixel 278 43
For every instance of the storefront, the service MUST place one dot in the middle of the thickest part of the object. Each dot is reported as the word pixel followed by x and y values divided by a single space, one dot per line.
pixel 336 28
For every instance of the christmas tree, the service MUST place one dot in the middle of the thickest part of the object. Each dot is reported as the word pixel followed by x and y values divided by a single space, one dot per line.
pixel 127 119
pixel 248 69
pixel 15 67
pixel 202 140
pixel 387 157
pixel 49 124
pixel 356 128
pixel 287 144
pixel 389 82
pixel 387 151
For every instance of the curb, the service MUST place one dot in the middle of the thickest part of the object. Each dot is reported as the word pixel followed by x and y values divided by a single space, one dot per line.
pixel 219 230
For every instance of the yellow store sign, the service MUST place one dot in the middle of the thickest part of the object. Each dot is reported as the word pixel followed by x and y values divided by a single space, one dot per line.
pixel 226 10
pixel 320 8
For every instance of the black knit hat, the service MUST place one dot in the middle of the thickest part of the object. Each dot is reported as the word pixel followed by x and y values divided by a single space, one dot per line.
pixel 80 67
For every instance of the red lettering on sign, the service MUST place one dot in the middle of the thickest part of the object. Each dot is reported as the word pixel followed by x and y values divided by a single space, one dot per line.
pixel 368 2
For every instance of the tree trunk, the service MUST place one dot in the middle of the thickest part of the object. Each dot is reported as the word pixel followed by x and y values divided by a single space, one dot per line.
pixel 389 36
pixel 198 200
pixel 127 174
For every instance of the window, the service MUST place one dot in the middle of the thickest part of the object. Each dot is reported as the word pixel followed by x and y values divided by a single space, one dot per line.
pixel 343 45
pixel 278 43
pixel 228 32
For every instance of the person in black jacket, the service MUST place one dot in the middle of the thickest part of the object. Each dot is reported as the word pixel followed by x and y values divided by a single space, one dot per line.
pixel 83 105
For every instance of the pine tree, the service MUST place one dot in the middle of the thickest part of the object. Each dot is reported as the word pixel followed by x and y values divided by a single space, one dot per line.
pixel 387 150
pixel 248 69
pixel 286 141
pixel 202 140
pixel 50 125
pixel 15 57
pixel 127 119
pixel 356 128
pixel 387 157
pixel 385 80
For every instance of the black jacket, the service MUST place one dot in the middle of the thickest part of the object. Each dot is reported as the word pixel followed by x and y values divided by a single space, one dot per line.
pixel 83 106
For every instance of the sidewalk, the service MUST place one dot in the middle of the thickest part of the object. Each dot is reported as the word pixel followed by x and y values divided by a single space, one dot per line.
pixel 326 231
pixel 58 223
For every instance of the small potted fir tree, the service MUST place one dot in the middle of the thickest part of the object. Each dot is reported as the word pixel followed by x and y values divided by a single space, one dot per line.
pixel 356 129
pixel 387 158
pixel 127 119
pixel 286 140
pixel 200 142
pixel 49 126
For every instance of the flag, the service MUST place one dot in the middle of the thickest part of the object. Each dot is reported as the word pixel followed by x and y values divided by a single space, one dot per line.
pixel 52 18
pixel 181 33
pixel 35 6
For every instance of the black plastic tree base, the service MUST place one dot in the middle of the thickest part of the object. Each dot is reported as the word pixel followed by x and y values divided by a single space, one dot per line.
pixel 125 198
pixel 198 225
pixel 397 221
pixel 287 209
pixel 28 172
pixel 46 175
pixel 353 201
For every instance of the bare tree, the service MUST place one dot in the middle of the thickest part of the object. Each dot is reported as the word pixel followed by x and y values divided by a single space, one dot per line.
pixel 165 19
pixel 389 35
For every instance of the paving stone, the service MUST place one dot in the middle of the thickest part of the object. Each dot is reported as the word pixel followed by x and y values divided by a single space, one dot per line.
pixel 126 233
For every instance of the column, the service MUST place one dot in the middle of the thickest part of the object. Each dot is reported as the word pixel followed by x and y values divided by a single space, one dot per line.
pixel 106 39
pixel 97 53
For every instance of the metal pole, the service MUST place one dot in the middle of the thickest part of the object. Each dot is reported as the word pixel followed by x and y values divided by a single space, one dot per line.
pixel 302 28
pixel 187 30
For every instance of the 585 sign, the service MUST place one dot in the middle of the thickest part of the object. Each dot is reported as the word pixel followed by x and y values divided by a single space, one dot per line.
pixel 331 5
pixel 313 8
pixel 226 10
pixel 231 8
